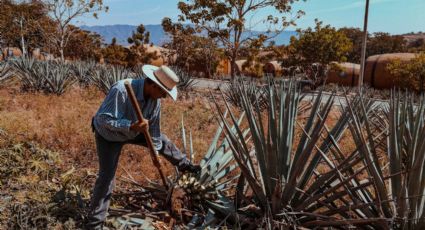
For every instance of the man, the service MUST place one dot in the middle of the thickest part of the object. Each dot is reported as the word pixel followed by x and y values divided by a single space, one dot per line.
pixel 116 124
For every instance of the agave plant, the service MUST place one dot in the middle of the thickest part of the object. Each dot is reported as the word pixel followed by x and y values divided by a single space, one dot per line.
pixel 406 153
pixel 309 181
pixel 403 151
pixel 4 71
pixel 23 67
pixel 138 72
pixel 255 92
pixel 213 181
pixel 57 76
pixel 105 76
pixel 210 192
pixel 186 80
pixel 82 72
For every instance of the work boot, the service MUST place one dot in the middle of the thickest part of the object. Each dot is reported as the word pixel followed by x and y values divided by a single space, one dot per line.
pixel 189 167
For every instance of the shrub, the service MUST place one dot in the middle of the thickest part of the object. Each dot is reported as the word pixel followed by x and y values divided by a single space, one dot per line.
pixel 410 75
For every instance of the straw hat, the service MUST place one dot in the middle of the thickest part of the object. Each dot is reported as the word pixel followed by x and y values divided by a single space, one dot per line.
pixel 164 77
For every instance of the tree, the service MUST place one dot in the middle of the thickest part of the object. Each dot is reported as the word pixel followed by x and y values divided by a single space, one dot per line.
pixel 189 50
pixel 204 56
pixel 409 75
pixel 22 23
pixel 255 52
pixel 381 43
pixel 115 54
pixel 64 12
pixel 83 45
pixel 315 49
pixel 179 45
pixel 138 52
pixel 377 43
pixel 356 36
pixel 227 20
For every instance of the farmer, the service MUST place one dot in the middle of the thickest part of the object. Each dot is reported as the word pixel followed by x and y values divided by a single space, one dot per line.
pixel 115 124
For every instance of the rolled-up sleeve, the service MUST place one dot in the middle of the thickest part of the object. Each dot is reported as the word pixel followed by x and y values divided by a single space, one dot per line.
pixel 112 115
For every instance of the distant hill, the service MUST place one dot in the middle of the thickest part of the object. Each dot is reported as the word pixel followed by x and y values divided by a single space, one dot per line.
pixel 157 34
pixel 122 32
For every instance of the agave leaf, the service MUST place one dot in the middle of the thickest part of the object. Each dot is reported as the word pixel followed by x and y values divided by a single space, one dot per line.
pixel 367 149
pixel 406 159
pixel 211 149
pixel 224 207
pixel 184 137
pixel 191 153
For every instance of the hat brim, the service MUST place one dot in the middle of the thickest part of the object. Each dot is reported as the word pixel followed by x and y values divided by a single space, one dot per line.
pixel 148 71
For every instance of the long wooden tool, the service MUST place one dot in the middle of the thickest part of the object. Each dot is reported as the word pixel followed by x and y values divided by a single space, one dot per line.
pixel 148 138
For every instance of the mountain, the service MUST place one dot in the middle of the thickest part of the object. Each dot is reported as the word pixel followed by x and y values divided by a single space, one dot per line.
pixel 122 32
pixel 158 36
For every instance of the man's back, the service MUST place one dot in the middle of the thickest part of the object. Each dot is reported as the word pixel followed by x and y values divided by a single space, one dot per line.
pixel 116 114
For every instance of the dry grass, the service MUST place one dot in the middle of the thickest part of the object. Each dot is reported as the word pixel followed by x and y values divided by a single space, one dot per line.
pixel 63 124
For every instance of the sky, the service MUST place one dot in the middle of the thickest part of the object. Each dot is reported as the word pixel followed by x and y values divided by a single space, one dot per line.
pixel 392 16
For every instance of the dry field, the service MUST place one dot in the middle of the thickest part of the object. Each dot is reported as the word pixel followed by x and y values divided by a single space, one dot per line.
pixel 62 124
pixel 32 123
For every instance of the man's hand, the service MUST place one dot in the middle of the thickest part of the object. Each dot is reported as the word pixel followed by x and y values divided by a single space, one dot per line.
pixel 140 126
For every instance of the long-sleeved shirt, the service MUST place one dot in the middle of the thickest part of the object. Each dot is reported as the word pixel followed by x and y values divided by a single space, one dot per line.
pixel 116 114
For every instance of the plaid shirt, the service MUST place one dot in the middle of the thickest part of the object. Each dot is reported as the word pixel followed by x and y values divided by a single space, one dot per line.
pixel 114 117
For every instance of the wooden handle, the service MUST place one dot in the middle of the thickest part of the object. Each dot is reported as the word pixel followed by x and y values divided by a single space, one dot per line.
pixel 134 101
pixel 145 131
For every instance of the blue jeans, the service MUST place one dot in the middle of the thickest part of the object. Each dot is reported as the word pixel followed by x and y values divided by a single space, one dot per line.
pixel 108 153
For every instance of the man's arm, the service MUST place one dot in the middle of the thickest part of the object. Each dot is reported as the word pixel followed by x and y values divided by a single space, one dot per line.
pixel 155 127
pixel 111 113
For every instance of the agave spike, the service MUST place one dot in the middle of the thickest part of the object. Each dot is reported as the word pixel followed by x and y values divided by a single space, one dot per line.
pixel 184 138
pixel 191 154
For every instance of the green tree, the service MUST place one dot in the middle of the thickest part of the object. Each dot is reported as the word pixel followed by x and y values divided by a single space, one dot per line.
pixel 64 13
pixel 315 48
pixel 409 75
pixel 356 37
pixel 227 20
pixel 138 52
